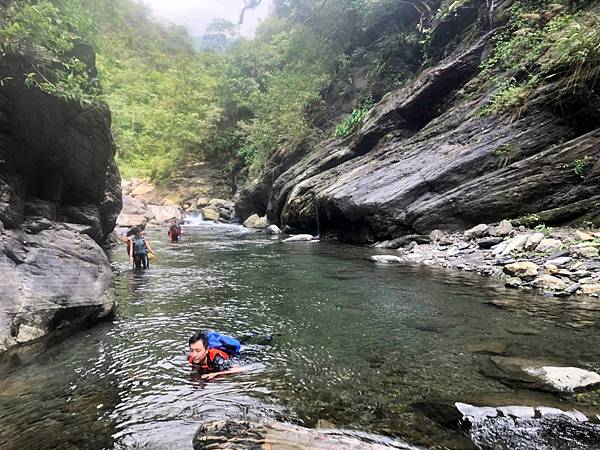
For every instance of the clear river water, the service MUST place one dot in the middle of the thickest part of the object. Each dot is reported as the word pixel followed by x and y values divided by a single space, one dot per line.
pixel 355 345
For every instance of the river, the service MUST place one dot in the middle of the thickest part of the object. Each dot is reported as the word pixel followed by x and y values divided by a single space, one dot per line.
pixel 354 345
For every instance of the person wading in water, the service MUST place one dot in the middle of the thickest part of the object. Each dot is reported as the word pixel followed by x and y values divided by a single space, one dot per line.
pixel 138 250
pixel 174 231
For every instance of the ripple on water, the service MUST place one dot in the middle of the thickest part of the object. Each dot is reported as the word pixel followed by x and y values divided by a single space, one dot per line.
pixel 355 345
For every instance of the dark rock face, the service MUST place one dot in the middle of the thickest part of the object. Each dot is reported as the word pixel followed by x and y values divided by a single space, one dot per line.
pixel 425 158
pixel 58 183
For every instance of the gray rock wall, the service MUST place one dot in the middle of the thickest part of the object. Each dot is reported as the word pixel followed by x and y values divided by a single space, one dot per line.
pixel 60 196
pixel 425 158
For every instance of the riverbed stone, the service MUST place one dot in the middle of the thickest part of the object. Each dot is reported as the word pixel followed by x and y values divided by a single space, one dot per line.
pixel 210 214
pixel 477 231
pixel 502 229
pixel 583 236
pixel 522 269
pixel 437 236
pixel 489 242
pixel 550 269
pixel 550 282
pixel 587 252
pixel 540 374
pixel 590 289
pixel 300 238
pixel 255 221
pixel 513 282
pixel 559 262
pixel 515 244
pixel 548 245
pixel 273 229
pixel 533 241
pixel 387 259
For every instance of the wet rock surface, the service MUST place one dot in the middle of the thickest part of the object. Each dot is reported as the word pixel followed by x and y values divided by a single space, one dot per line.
pixel 244 434
pixel 60 196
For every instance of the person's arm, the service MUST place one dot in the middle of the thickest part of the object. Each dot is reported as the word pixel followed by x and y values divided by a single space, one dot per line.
pixel 131 250
pixel 210 376
pixel 148 247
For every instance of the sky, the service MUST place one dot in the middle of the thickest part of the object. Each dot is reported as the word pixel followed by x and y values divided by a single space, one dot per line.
pixel 197 14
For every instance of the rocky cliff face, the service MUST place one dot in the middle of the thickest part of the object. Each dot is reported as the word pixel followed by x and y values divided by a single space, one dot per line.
pixel 426 158
pixel 60 196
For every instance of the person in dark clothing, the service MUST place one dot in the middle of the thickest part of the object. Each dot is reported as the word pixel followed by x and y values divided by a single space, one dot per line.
pixel 138 250
pixel 213 361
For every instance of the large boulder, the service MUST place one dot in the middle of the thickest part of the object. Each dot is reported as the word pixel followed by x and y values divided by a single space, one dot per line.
pixel 56 164
pixel 163 214
pixel 51 280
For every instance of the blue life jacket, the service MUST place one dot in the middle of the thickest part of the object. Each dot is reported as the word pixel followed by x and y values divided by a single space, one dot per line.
pixel 227 344
pixel 139 246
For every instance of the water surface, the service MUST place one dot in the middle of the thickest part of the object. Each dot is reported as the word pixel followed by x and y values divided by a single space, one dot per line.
pixel 355 345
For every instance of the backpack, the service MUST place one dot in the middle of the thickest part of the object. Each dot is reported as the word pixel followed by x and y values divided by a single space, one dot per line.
pixel 224 343
pixel 139 246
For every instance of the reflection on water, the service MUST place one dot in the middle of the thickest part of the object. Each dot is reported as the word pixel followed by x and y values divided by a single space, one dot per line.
pixel 356 345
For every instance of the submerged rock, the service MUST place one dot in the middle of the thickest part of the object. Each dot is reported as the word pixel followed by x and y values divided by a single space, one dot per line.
pixel 540 375
pixel 265 434
pixel 387 259
pixel 301 238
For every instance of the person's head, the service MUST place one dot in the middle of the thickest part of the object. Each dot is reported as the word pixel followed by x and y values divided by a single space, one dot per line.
pixel 198 347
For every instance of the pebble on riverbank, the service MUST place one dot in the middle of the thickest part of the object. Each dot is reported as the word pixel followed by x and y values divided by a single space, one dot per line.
pixel 558 261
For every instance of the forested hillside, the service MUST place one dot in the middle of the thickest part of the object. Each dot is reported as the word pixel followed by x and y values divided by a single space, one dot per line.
pixel 313 70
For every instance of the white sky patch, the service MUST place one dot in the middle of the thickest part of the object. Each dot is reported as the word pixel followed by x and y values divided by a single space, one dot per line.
pixel 196 15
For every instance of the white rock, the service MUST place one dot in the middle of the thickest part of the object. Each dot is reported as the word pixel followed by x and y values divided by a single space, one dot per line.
pixel 547 245
pixel 515 244
pixel 387 259
pixel 301 238
pixel 533 241
pixel 559 262
pixel 565 379
pixel 498 249
pixel 550 269
pixel 502 229
pixel 273 229
pixel 477 231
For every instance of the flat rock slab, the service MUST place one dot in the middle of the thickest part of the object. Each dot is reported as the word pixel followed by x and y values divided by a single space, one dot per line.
pixel 301 238
pixel 270 434
pixel 540 375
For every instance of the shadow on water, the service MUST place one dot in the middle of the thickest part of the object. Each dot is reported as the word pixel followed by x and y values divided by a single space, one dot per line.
pixel 356 345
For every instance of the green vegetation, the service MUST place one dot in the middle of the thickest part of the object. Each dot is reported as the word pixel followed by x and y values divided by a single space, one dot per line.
pixel 172 104
pixel 353 119
pixel 542 42
pixel 580 167
pixel 37 35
